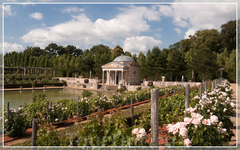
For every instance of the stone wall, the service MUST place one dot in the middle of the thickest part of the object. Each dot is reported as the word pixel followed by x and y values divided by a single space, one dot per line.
pixel 134 75
pixel 168 83
pixel 79 82
pixel 134 87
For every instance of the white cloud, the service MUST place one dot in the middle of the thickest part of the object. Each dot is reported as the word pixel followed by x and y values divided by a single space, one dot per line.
pixel 72 9
pixel 8 11
pixel 177 30
pixel 199 16
pixel 9 47
pixel 37 15
pixel 137 44
pixel 131 21
pixel 157 35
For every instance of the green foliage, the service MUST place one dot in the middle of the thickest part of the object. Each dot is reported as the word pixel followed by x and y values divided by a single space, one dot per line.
pixel 121 90
pixel 16 123
pixel 49 136
pixel 87 93
pixel 113 132
pixel 139 88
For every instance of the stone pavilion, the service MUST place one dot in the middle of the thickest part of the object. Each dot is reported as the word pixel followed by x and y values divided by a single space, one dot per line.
pixel 122 70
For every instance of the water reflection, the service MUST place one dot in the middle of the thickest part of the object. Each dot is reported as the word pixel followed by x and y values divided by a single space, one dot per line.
pixel 17 98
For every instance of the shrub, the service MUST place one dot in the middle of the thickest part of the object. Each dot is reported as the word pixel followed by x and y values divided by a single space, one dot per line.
pixel 49 137
pixel 16 123
pixel 121 90
pixel 86 93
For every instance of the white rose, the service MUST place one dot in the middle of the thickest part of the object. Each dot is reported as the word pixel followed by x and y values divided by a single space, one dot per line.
pixel 135 131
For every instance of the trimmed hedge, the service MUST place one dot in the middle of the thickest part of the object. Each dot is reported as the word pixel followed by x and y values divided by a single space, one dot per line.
pixel 6 86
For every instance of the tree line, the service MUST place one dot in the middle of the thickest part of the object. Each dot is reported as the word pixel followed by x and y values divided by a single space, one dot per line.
pixel 197 58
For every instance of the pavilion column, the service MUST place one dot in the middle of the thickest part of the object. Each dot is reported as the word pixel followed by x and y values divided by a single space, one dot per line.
pixel 31 71
pixel 35 71
pixel 122 77
pixel 54 73
pixel 45 71
pixel 24 71
pixel 103 78
pixel 115 77
pixel 109 77
pixel 28 71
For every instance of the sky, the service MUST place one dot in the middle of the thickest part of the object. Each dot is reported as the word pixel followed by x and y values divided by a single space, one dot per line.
pixel 135 27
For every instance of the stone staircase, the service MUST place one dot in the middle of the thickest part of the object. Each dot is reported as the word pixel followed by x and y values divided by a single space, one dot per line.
pixel 111 88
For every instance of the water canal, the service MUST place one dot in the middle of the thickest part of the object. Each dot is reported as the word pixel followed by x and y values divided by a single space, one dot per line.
pixel 17 98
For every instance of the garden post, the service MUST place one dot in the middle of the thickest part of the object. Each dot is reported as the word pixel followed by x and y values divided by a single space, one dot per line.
pixel 206 87
pixel 47 112
pixel 78 105
pixel 212 86
pixel 34 132
pixel 8 109
pixel 215 82
pixel 201 88
pixel 187 99
pixel 99 117
pixel 154 116
pixel 132 112
pixel 51 104
pixel 127 93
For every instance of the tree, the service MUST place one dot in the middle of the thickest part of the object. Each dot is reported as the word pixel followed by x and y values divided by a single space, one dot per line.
pixel 175 64
pixel 156 61
pixel 228 36
pixel 230 66
pixel 88 61
pixel 204 61
pixel 141 61
pixel 149 64
pixel 116 51
pixel 128 53
pixel 101 58
pixel 52 49
pixel 134 56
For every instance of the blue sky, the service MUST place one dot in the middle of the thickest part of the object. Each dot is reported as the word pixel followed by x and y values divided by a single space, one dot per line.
pixel 135 27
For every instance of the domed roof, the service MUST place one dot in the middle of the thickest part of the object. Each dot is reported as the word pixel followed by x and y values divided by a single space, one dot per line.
pixel 124 58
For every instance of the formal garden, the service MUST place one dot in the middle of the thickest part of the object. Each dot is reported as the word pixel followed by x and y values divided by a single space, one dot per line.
pixel 207 121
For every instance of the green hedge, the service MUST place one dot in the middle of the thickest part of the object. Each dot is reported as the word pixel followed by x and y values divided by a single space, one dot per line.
pixel 30 85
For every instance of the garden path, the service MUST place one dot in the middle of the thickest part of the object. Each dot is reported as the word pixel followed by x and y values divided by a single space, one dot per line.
pixel 235 141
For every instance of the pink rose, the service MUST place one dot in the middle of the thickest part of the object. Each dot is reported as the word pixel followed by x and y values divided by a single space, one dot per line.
pixel 187 142
pixel 193 114
pixel 198 116
pixel 224 109
pixel 173 129
pixel 142 132
pixel 181 124
pixel 135 131
pixel 6 120
pixel 188 120
pixel 196 122
pixel 183 132
pixel 214 119
pixel 206 122
pixel 223 130
pixel 56 119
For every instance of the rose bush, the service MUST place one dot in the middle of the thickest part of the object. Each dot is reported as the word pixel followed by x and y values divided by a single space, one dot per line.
pixel 208 122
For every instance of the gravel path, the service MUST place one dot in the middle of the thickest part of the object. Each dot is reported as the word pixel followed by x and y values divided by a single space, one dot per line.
pixel 235 141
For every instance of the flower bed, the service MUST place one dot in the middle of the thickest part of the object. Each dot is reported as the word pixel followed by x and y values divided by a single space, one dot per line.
pixel 66 108
pixel 208 123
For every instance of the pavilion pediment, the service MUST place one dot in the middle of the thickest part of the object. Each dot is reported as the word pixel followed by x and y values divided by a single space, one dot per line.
pixel 114 65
